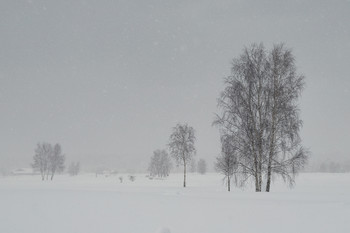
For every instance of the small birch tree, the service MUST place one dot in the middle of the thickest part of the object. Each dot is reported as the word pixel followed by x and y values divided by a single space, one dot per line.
pixel 181 145
pixel 40 159
pixel 56 160
pixel 227 163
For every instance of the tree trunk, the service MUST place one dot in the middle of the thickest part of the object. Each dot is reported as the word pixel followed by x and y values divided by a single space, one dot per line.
pixel 42 174
pixel 256 173
pixel 228 183
pixel 257 177
pixel 256 182
pixel 260 174
pixel 53 173
pixel 273 132
pixel 184 174
pixel 269 165
pixel 268 183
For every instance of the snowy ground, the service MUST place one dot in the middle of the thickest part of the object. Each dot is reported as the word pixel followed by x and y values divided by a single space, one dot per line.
pixel 86 204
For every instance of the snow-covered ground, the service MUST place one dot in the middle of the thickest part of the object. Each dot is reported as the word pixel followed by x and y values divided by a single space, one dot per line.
pixel 86 204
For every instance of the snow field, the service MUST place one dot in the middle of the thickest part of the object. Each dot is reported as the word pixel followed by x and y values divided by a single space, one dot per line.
pixel 86 204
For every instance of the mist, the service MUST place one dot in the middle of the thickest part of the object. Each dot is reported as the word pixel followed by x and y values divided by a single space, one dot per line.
pixel 177 116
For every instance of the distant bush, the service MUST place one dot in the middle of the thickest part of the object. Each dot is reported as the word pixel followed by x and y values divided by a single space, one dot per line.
pixel 334 167
pixel 132 178
pixel 160 164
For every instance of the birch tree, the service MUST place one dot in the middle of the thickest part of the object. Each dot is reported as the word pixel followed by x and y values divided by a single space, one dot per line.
pixel 227 163
pixel 48 160
pixel 181 145
pixel 56 162
pixel 41 159
pixel 285 154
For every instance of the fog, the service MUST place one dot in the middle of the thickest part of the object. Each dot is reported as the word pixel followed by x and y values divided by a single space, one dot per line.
pixel 109 79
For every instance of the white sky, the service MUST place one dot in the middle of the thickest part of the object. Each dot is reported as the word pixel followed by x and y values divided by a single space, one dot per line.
pixel 108 79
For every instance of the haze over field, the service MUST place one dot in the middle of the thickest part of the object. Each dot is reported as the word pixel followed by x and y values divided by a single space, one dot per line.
pixel 109 79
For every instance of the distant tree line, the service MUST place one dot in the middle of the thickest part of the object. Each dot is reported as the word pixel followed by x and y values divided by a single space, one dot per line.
pixel 334 167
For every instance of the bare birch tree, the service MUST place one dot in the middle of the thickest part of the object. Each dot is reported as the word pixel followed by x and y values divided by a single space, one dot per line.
pixel 243 104
pixel 227 163
pixel 48 160
pixel 286 156
pixel 181 145
pixel 56 160
pixel 41 158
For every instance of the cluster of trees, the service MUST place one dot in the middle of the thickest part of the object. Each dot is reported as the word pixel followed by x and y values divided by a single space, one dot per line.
pixel 74 169
pixel 259 126
pixel 182 149
pixel 259 121
pixel 48 160
pixel 160 164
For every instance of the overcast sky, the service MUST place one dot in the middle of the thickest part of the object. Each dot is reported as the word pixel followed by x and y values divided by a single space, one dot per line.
pixel 109 79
